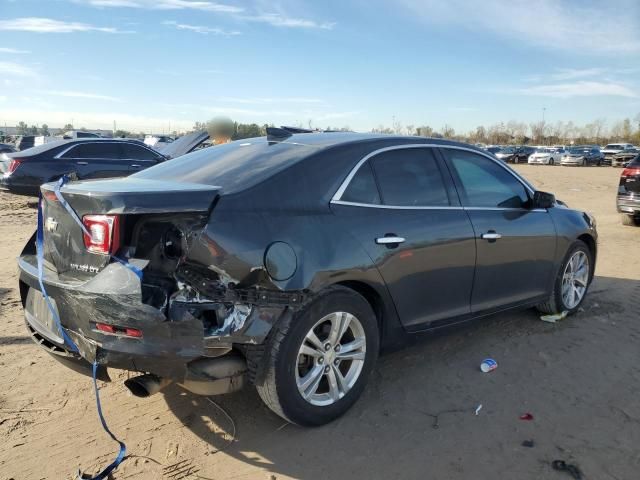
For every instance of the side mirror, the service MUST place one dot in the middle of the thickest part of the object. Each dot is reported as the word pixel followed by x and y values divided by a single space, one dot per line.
pixel 543 200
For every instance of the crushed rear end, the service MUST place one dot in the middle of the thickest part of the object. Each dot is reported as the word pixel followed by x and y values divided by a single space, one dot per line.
pixel 132 304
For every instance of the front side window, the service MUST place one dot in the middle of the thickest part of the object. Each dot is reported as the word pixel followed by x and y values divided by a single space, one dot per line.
pixel 485 183
pixel 409 177
pixel 136 152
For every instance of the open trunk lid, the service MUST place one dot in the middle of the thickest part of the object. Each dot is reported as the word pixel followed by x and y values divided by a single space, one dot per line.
pixel 126 198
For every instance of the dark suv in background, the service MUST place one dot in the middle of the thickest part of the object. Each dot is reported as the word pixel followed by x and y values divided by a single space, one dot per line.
pixel 629 193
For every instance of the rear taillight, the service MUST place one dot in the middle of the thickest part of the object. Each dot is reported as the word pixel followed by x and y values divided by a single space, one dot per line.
pixel 104 233
pixel 13 165
pixel 631 171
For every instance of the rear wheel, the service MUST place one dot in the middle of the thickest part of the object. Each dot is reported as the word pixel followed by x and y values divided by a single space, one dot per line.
pixel 317 362
pixel 551 162
pixel 584 162
pixel 572 281
pixel 630 220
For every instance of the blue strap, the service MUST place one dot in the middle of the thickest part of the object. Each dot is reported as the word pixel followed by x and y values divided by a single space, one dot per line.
pixel 64 179
pixel 40 256
pixel 123 448
pixel 74 348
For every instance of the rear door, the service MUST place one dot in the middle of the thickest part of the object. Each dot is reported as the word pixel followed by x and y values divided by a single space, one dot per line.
pixel 515 244
pixel 97 160
pixel 402 207
pixel 138 157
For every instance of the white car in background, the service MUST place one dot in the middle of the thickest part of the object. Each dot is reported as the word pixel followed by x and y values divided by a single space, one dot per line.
pixel 157 141
pixel 546 156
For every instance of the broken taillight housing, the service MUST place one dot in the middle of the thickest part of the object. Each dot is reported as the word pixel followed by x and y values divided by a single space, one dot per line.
pixel 104 233
pixel 13 165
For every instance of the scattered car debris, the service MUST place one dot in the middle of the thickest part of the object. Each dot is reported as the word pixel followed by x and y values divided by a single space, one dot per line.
pixel 526 416
pixel 488 364
pixel 562 466
pixel 478 409
pixel 528 443
pixel 554 317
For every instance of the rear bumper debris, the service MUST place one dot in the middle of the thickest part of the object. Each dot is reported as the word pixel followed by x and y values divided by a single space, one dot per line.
pixel 176 331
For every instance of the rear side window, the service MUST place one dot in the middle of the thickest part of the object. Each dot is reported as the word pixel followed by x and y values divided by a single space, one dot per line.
pixel 362 188
pixel 109 150
pixel 409 178
pixel 136 152
pixel 485 183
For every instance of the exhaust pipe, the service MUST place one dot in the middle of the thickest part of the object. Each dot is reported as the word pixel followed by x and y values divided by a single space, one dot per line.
pixel 146 385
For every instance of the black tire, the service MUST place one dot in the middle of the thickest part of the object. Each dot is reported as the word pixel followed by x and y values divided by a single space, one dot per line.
pixel 551 162
pixel 630 220
pixel 276 382
pixel 555 303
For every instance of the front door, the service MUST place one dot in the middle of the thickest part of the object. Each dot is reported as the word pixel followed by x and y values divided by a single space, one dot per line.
pixel 515 243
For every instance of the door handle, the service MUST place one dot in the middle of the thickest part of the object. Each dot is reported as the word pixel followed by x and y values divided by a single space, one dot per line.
pixel 389 240
pixel 135 165
pixel 491 236
pixel 82 163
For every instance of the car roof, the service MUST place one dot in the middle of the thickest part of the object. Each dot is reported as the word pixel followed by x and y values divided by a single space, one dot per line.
pixel 330 139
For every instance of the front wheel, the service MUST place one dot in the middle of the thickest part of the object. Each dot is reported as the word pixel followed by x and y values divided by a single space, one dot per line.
pixel 318 361
pixel 551 162
pixel 572 282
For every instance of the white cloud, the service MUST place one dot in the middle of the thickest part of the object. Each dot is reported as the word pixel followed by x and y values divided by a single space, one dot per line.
pixel 579 89
pixel 166 5
pixel 583 27
pixel 280 20
pixel 85 95
pixel 17 70
pixel 50 25
pixel 201 29
pixel 14 51
pixel 573 73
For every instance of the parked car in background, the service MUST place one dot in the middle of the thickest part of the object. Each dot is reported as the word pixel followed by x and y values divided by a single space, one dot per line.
pixel 622 158
pixel 157 141
pixel 25 141
pixel 73 134
pixel 185 144
pixel 6 148
pixel 582 156
pixel 493 149
pixel 24 172
pixel 546 156
pixel 290 261
pixel 613 148
pixel 506 153
pixel 628 201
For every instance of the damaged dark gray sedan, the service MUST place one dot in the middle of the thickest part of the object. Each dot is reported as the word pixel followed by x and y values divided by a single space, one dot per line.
pixel 289 262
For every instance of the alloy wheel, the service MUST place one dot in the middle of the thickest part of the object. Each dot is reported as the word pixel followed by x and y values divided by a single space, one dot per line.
pixel 575 279
pixel 330 359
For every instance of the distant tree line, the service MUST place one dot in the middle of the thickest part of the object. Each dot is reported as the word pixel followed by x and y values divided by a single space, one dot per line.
pixel 537 133
pixel 223 129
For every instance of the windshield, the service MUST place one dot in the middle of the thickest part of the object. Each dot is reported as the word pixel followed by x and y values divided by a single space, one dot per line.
pixel 543 150
pixel 578 150
pixel 614 146
pixel 507 150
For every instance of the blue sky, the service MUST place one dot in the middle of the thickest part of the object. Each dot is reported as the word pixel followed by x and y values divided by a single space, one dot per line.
pixel 152 65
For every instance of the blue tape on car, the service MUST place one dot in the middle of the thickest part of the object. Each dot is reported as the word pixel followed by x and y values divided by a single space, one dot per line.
pixel 67 340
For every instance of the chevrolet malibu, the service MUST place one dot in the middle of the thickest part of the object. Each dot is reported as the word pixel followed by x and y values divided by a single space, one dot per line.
pixel 289 262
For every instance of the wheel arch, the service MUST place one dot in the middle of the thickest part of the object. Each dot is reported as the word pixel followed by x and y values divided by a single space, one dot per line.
pixel 593 248
pixel 372 297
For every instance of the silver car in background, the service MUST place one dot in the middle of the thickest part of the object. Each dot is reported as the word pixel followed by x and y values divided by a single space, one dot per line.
pixel 546 156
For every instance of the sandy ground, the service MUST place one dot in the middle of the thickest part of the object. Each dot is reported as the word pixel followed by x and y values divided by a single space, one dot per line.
pixel 580 379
